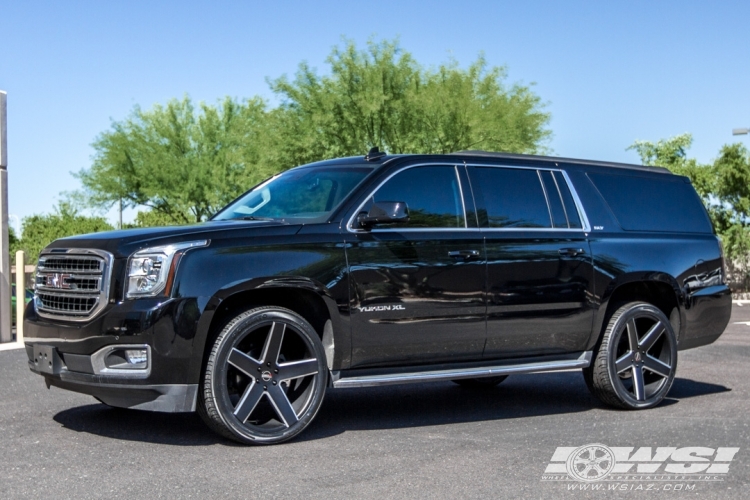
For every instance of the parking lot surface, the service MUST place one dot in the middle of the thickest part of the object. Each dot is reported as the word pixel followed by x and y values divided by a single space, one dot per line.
pixel 414 441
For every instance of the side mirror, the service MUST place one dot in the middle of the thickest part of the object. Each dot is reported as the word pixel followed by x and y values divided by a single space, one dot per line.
pixel 384 212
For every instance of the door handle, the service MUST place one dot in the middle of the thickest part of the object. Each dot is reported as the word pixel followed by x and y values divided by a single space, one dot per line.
pixel 571 252
pixel 464 254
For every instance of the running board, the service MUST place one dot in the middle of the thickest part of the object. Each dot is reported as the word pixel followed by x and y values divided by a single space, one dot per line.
pixel 583 361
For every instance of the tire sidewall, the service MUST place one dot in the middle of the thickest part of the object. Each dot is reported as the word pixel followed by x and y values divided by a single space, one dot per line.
pixel 233 333
pixel 618 330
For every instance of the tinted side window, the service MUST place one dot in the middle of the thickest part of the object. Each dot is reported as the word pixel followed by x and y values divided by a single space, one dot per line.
pixel 513 197
pixel 432 194
pixel 559 218
pixel 571 211
pixel 664 203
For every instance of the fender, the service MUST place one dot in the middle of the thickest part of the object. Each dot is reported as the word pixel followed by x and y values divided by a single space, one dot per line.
pixel 341 342
pixel 631 278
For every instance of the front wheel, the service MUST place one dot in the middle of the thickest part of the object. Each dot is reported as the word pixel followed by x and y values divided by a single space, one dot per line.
pixel 636 362
pixel 265 377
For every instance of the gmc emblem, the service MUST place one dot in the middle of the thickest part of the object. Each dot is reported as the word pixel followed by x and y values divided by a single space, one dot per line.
pixel 58 280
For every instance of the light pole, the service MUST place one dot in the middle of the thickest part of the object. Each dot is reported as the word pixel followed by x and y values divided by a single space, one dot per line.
pixel 740 131
pixel 5 331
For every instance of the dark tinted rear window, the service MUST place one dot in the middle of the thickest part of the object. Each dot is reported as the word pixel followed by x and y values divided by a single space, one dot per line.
pixel 570 207
pixel 665 203
pixel 513 197
pixel 555 202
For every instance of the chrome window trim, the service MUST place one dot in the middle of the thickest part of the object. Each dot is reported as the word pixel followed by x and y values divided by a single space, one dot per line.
pixel 581 212
pixel 559 193
pixel 576 200
pixel 350 224
pixel 103 295
pixel 546 199
pixel 461 194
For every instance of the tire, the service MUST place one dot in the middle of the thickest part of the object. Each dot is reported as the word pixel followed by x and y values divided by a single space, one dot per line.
pixel 636 362
pixel 265 377
pixel 480 383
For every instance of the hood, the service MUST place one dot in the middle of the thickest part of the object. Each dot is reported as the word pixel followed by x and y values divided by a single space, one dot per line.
pixel 124 242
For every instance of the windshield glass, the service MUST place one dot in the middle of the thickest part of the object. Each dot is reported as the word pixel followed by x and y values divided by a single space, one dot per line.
pixel 310 193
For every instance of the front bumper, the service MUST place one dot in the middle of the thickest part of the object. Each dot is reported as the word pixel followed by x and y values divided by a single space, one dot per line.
pixel 115 391
pixel 165 328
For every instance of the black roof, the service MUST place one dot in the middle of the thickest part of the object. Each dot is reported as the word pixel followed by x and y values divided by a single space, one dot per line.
pixel 381 160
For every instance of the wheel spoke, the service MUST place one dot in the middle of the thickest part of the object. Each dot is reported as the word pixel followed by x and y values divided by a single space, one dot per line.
pixel 639 389
pixel 657 366
pixel 651 337
pixel 632 335
pixel 272 346
pixel 297 369
pixel 282 405
pixel 624 362
pixel 249 401
pixel 244 363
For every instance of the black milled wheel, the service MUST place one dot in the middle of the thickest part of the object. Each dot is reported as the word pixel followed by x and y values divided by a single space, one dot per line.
pixel 484 382
pixel 636 362
pixel 265 377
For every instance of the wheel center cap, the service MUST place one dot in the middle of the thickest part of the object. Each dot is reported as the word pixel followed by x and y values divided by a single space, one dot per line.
pixel 638 357
pixel 266 376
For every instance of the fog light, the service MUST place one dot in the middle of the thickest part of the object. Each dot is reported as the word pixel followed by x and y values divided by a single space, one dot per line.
pixel 122 360
pixel 137 357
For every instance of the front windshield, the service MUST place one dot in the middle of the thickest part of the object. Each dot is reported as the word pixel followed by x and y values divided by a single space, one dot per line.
pixel 309 193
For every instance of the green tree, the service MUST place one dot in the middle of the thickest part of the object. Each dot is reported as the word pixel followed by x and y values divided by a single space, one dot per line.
pixel 38 231
pixel 382 97
pixel 179 162
pixel 183 163
pixel 153 218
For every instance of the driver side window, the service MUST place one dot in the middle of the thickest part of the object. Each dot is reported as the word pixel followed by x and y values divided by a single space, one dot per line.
pixel 432 194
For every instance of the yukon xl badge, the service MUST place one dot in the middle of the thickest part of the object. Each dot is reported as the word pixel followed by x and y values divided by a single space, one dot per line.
pixel 387 307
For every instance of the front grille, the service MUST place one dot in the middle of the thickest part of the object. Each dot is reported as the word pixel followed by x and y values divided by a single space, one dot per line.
pixel 78 263
pixel 66 304
pixel 72 284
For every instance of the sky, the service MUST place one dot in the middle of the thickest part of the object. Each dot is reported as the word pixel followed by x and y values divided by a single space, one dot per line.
pixel 610 72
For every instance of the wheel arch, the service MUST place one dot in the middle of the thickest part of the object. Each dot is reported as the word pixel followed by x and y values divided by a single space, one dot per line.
pixel 659 289
pixel 304 296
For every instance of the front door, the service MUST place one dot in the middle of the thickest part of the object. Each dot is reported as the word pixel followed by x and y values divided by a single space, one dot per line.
pixel 418 288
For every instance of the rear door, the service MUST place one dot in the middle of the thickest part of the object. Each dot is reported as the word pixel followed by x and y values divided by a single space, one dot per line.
pixel 418 288
pixel 539 266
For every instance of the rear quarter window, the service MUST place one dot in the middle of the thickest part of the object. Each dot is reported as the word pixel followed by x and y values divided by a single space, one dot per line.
pixel 667 203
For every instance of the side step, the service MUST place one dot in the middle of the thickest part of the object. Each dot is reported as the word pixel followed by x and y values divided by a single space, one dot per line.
pixel 507 368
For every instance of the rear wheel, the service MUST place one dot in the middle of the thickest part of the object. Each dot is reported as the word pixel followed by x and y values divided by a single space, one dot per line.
pixel 265 377
pixel 636 362
pixel 484 382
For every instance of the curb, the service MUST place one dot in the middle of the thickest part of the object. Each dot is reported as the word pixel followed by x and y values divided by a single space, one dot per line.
pixel 11 345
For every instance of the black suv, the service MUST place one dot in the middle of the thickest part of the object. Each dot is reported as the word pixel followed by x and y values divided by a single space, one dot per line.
pixel 383 270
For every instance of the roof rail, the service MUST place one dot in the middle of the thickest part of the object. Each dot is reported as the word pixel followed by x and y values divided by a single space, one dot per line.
pixel 515 156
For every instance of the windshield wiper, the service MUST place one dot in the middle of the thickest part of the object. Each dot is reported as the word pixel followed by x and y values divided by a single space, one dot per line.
pixel 253 217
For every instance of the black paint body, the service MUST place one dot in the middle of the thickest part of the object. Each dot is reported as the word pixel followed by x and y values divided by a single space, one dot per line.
pixel 398 298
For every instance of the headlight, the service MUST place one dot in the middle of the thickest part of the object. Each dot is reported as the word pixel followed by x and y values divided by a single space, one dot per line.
pixel 151 270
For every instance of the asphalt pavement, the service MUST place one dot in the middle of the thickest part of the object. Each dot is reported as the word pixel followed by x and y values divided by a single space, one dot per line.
pixel 414 441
